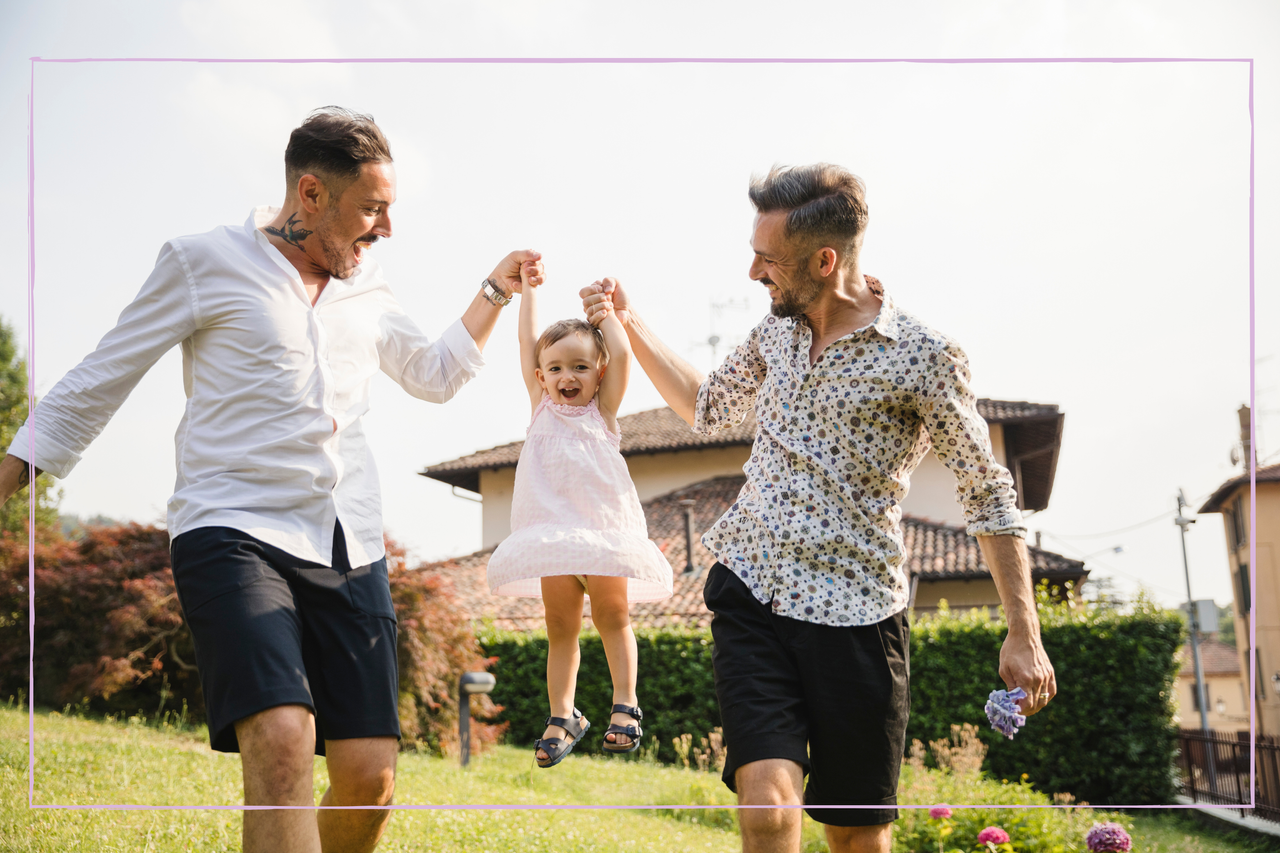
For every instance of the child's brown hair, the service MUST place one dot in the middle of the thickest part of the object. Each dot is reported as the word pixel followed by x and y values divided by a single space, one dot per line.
pixel 564 328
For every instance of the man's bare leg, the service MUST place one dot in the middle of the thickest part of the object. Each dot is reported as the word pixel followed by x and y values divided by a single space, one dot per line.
pixel 771 782
pixel 860 839
pixel 277 749
pixel 361 773
pixel 776 781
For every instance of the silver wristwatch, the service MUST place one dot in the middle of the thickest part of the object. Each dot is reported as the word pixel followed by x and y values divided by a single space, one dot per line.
pixel 489 290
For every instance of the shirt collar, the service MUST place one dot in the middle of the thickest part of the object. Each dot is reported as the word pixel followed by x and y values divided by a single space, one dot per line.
pixel 264 213
pixel 887 321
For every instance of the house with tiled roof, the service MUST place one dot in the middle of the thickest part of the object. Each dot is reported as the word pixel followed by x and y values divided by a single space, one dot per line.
pixel 1228 697
pixel 686 481
pixel 1253 524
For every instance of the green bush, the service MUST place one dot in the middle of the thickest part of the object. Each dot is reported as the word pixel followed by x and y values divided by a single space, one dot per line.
pixel 675 686
pixel 1108 737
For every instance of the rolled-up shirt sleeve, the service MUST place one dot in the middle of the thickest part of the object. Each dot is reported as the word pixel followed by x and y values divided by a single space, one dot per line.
pixel 729 393
pixel 429 370
pixel 78 407
pixel 962 442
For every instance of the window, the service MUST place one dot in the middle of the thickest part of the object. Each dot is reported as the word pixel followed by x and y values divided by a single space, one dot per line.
pixel 1242 588
pixel 1239 538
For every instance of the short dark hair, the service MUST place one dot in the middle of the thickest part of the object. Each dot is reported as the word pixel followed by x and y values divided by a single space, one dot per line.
pixel 563 329
pixel 824 203
pixel 332 144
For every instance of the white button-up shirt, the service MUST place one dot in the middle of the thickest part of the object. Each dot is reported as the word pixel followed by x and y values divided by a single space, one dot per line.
pixel 814 532
pixel 271 442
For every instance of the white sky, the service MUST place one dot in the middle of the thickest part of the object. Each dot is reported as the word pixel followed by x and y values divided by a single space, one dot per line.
pixel 1082 229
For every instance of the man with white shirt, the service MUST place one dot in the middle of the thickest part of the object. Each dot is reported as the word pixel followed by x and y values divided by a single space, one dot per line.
pixel 275 519
pixel 809 597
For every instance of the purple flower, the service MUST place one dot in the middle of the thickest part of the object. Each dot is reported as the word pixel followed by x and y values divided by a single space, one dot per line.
pixel 1002 710
pixel 993 835
pixel 939 813
pixel 1108 838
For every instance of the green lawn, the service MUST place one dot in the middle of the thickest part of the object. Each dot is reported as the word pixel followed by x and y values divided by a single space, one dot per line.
pixel 93 762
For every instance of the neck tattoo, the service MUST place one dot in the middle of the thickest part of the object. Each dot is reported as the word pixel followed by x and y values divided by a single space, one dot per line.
pixel 291 235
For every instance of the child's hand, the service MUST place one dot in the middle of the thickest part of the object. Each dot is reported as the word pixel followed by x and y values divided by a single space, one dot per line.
pixel 602 297
pixel 510 273
pixel 531 273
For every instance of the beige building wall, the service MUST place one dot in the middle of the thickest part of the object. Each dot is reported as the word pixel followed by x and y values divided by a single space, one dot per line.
pixel 654 475
pixel 932 495
pixel 1228 703
pixel 960 595
pixel 1266 603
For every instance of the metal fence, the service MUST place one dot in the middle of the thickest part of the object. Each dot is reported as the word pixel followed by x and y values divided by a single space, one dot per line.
pixel 1214 768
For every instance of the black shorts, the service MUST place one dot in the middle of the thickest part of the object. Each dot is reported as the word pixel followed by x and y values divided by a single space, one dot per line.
pixel 272 629
pixel 832 699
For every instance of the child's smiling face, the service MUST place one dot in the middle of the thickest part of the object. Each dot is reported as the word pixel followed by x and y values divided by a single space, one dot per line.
pixel 569 370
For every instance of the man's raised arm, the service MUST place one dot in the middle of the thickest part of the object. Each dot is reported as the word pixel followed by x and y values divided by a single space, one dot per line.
pixel 677 380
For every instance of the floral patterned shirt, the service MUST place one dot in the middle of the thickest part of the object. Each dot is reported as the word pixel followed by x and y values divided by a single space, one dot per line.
pixel 814 532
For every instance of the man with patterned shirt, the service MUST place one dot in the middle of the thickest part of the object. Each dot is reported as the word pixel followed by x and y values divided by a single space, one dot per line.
pixel 809 595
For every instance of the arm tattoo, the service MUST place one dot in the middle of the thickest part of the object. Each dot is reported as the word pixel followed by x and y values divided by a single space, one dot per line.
pixel 292 236
pixel 24 478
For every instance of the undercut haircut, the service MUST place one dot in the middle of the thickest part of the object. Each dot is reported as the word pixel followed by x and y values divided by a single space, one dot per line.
pixel 825 204
pixel 332 144
pixel 563 329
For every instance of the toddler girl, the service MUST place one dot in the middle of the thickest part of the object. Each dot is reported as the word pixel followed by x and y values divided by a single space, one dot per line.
pixel 576 522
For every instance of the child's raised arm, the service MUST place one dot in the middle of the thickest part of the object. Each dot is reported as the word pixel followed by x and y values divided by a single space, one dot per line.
pixel 614 384
pixel 528 329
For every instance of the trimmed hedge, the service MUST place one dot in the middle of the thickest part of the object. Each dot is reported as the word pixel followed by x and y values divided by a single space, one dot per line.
pixel 676 686
pixel 1108 737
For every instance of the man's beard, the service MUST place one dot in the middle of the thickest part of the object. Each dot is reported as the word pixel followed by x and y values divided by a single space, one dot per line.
pixel 796 296
pixel 335 258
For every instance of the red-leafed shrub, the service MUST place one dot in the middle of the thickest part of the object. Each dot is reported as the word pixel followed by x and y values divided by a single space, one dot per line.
pixel 436 645
pixel 109 629
pixel 108 624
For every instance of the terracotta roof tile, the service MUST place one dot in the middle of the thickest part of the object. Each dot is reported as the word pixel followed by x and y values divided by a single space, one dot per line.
pixel 937 551
pixel 1216 658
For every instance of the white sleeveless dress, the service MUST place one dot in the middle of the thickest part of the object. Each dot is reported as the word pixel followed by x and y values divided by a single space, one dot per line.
pixel 575 511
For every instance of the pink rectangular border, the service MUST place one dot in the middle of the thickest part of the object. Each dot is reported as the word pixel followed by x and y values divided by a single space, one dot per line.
pixel 31 262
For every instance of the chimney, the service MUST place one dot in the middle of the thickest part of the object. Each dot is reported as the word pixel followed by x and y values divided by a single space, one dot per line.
pixel 688 505
pixel 1245 443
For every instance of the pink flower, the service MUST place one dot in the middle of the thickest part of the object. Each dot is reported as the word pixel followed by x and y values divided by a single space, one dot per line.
pixel 1108 838
pixel 939 812
pixel 994 835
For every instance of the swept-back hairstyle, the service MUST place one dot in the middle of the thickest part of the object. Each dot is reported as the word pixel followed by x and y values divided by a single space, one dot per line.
pixel 563 329
pixel 332 144
pixel 825 204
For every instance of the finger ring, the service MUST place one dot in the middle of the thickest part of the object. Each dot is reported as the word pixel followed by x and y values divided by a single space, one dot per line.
pixel 1044 695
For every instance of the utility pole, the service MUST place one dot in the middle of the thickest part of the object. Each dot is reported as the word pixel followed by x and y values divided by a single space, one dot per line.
pixel 1183 523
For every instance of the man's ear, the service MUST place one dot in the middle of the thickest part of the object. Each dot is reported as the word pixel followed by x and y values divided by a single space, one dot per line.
pixel 828 260
pixel 312 194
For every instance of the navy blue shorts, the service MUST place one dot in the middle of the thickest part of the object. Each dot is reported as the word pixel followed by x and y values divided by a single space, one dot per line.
pixel 833 699
pixel 272 629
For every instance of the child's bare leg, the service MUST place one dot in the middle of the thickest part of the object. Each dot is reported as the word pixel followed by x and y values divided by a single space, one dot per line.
pixel 612 618
pixel 562 602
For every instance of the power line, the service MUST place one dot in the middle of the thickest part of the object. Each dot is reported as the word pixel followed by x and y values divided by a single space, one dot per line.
pixel 1152 520
pixel 1141 581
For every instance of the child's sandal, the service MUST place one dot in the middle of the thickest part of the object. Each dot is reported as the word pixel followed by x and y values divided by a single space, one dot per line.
pixel 557 748
pixel 631 730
